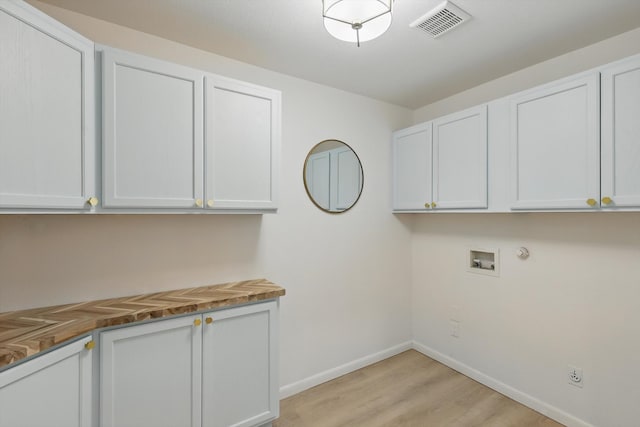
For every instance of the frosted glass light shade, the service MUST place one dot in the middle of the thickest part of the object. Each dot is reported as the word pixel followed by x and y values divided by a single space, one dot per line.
pixel 357 21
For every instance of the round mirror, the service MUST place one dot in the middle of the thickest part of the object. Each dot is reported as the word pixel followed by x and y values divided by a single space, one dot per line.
pixel 333 176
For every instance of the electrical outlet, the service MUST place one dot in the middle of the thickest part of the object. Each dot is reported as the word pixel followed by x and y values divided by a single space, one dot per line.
pixel 574 376
pixel 455 328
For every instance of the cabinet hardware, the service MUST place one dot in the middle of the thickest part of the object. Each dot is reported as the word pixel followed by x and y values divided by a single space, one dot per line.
pixel 607 200
pixel 209 320
pixel 90 345
pixel 591 202
pixel 427 205
pixel 197 322
pixel 433 205
pixel 199 203
pixel 210 203
pixel 93 201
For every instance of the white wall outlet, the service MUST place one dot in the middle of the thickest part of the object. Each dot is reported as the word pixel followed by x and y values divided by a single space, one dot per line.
pixel 455 328
pixel 574 376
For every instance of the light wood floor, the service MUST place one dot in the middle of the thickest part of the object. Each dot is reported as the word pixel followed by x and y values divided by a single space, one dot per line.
pixel 409 389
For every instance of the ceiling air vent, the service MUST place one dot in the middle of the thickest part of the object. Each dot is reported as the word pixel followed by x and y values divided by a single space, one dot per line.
pixel 441 19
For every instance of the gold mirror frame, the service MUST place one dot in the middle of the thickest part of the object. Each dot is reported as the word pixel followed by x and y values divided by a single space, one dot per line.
pixel 333 148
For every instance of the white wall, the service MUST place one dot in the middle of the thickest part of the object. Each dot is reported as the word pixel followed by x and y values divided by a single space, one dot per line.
pixel 347 276
pixel 575 301
pixel 609 50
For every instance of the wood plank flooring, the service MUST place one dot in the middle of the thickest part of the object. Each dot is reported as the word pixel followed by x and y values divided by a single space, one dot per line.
pixel 407 390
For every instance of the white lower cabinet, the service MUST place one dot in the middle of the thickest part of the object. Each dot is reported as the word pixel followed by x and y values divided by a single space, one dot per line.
pixel 150 374
pixel 239 366
pixel 215 369
pixel 52 390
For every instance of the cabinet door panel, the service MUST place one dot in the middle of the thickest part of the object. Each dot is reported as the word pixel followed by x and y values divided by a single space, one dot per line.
pixel 150 375
pixel 621 134
pixel 460 160
pixel 317 171
pixel 47 141
pixel 52 390
pixel 242 145
pixel 153 137
pixel 412 168
pixel 555 148
pixel 240 379
pixel 348 178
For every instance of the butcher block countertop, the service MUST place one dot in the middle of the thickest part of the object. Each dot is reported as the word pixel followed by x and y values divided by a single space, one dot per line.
pixel 27 332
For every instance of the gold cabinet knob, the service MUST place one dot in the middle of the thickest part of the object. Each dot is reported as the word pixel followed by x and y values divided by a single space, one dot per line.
pixel 427 205
pixel 433 205
pixel 93 201
pixel 210 203
pixel 199 203
pixel 90 345
pixel 209 320
pixel 197 322
pixel 591 202
pixel 607 200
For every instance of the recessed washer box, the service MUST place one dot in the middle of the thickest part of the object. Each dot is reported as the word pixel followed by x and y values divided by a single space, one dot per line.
pixel 483 261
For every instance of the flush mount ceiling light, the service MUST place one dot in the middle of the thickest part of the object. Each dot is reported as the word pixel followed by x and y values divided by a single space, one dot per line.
pixel 357 21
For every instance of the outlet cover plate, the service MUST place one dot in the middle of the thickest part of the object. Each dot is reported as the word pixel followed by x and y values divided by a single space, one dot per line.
pixel 574 376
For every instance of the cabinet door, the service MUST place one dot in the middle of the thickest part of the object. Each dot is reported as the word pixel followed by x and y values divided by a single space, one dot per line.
pixel 412 168
pixel 47 140
pixel 460 160
pixel 52 390
pixel 242 145
pixel 240 367
pixel 150 375
pixel 555 146
pixel 347 179
pixel 318 178
pixel 152 132
pixel 621 134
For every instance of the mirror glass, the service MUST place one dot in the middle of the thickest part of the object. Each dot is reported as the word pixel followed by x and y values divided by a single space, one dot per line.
pixel 333 176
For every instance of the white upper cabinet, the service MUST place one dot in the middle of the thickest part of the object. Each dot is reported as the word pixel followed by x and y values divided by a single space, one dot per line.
pixel 167 146
pixel 348 178
pixel 242 145
pixel 318 178
pixel 460 160
pixel 334 178
pixel 412 168
pixel 47 140
pixel 621 134
pixel 555 145
pixel 52 390
pixel 153 133
pixel 442 164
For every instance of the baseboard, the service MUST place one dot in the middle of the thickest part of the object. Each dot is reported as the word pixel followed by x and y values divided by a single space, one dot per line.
pixel 502 388
pixel 330 374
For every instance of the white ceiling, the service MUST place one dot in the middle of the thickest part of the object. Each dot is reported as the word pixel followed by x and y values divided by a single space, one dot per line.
pixel 404 66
